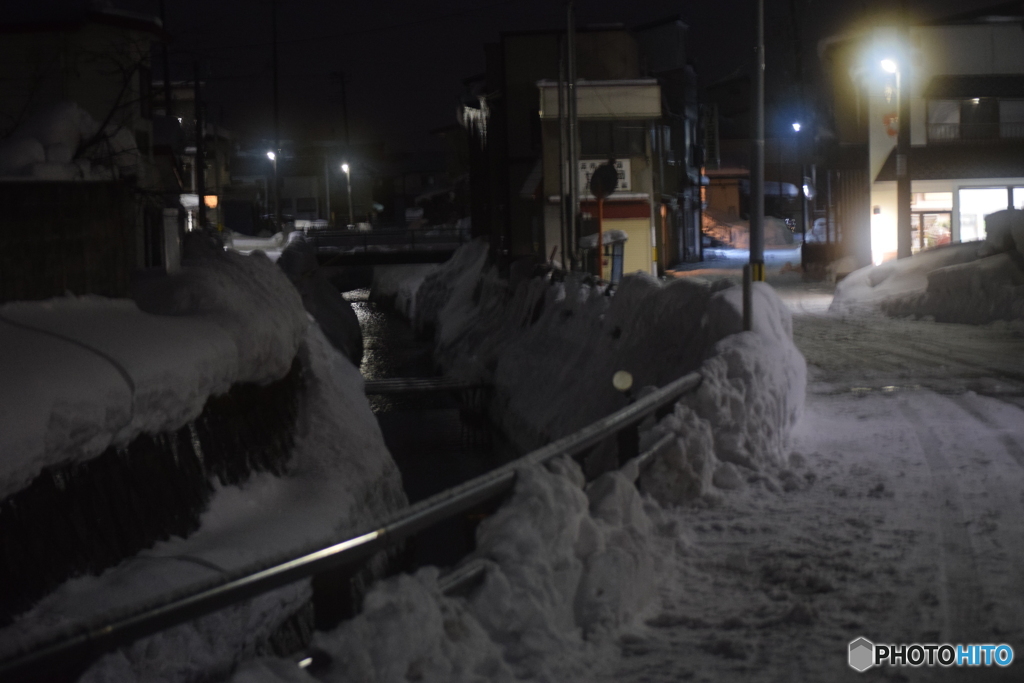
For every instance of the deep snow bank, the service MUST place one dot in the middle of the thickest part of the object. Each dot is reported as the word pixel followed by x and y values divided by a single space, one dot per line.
pixel 566 566
pixel 83 373
pixel 973 282
pixel 550 350
pixel 341 479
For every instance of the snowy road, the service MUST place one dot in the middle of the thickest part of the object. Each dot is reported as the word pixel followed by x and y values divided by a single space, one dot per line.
pixel 904 522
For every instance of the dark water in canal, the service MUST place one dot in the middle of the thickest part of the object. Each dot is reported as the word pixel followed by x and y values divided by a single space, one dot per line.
pixel 435 444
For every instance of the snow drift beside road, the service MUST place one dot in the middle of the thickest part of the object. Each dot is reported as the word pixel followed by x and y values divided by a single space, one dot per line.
pixel 972 282
pixel 529 335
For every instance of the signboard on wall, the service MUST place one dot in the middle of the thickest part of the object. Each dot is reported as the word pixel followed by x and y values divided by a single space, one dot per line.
pixel 586 169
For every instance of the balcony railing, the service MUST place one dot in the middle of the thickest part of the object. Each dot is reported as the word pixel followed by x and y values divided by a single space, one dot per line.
pixel 966 133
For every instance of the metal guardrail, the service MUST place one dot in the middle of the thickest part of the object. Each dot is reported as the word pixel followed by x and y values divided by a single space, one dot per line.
pixel 90 642
pixel 366 240
pixel 417 385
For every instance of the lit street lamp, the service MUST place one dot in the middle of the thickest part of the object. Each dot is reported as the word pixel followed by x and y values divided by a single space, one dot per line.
pixel 277 199
pixel 348 182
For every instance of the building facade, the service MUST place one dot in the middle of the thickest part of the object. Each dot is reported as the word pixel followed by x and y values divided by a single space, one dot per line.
pixel 964 76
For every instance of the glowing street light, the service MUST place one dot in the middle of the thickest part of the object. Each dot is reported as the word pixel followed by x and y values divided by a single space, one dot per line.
pixel 271 156
pixel 348 182
pixel 796 126
pixel 889 65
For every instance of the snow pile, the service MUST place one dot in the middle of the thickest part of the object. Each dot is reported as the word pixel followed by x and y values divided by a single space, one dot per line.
pixel 740 419
pixel 396 286
pixel 64 142
pixel 340 479
pixel 566 566
pixel 530 336
pixel 246 244
pixel 83 373
pixel 973 282
pixel 322 300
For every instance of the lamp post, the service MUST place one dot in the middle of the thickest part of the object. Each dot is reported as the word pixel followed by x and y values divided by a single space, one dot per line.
pixel 277 198
pixel 802 186
pixel 348 181
pixel 903 214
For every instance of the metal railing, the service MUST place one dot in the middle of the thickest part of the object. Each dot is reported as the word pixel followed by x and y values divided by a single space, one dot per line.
pixel 967 133
pixel 365 240
pixel 89 642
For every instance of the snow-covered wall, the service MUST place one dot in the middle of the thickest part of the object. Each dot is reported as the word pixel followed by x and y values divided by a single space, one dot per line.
pixel 83 373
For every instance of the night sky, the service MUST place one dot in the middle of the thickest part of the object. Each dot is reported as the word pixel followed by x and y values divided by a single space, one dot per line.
pixel 405 59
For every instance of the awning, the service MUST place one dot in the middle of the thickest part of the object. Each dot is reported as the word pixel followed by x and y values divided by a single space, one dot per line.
pixel 1002 159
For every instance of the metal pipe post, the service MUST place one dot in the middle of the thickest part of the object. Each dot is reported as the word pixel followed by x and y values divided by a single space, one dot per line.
pixel 574 139
pixel 757 157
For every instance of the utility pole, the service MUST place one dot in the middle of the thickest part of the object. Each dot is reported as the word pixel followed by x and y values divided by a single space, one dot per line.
pixel 277 115
pixel 200 163
pixel 344 110
pixel 757 157
pixel 563 165
pixel 755 269
pixel 903 215
pixel 168 101
pixel 574 139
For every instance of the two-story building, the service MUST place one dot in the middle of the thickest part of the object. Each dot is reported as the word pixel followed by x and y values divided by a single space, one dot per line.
pixel 636 103
pixel 964 76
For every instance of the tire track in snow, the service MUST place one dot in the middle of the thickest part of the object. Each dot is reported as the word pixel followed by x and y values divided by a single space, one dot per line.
pixel 962 587
pixel 1013 448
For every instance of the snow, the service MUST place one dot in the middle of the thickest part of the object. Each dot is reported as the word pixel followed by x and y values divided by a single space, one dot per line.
pixel 570 568
pixel 83 373
pixel 893 513
pixel 321 299
pixel 340 479
pixel 44 147
pixel 396 286
pixel 971 282
pixel 272 246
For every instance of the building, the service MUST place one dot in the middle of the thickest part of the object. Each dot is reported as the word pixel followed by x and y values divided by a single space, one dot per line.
pixel 77 52
pixel 650 125
pixel 964 76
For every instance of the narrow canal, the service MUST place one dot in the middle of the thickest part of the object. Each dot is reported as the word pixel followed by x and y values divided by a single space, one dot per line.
pixel 435 444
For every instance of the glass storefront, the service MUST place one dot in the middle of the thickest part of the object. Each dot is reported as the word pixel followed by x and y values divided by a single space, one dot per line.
pixel 931 219
pixel 978 202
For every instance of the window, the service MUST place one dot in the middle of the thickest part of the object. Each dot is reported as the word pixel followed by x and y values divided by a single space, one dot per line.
pixel 943 120
pixel 975 204
pixel 611 139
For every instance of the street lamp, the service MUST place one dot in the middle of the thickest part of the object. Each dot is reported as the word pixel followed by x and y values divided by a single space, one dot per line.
pixel 277 200
pixel 348 182
pixel 797 126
